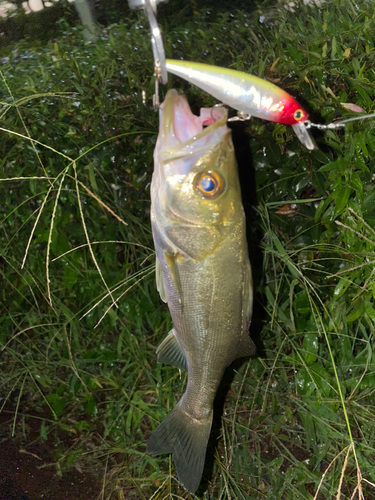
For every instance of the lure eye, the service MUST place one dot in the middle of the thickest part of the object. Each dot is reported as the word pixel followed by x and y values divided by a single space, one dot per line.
pixel 209 184
pixel 298 115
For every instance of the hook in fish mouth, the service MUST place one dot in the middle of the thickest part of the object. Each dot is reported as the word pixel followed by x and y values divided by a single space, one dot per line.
pixel 303 135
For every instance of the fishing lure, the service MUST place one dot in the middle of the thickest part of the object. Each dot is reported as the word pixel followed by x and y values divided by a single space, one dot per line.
pixel 246 93
pixel 253 96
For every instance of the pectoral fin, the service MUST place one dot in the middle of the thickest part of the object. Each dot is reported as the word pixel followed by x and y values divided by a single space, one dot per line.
pixel 171 261
pixel 170 352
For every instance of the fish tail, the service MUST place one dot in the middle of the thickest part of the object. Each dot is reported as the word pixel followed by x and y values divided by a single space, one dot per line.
pixel 186 438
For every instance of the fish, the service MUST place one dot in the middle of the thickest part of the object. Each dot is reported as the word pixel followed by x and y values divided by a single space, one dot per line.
pixel 203 271
pixel 246 93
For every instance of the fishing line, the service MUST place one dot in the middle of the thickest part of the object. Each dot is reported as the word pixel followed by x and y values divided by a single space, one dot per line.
pixel 340 124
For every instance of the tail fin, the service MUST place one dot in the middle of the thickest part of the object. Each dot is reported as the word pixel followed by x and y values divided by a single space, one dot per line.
pixel 186 438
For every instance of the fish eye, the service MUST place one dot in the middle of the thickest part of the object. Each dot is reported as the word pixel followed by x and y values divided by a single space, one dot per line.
pixel 209 184
pixel 298 115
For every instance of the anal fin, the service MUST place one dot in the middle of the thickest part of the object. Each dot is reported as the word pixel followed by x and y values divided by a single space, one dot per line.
pixel 246 347
pixel 171 261
pixel 170 352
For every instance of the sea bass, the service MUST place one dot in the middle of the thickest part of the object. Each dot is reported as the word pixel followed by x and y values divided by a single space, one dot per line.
pixel 202 271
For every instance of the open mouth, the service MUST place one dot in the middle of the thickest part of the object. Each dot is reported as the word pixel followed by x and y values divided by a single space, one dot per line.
pixel 185 135
pixel 181 124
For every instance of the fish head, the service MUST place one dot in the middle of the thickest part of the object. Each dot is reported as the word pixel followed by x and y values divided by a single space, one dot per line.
pixel 195 191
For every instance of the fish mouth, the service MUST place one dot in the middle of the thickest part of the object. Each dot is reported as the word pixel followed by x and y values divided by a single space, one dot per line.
pixel 303 135
pixel 185 134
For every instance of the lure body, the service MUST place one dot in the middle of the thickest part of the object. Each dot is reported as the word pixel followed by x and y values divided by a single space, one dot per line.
pixel 246 93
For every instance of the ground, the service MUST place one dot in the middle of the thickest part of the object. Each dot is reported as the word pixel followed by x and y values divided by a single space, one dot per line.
pixel 28 470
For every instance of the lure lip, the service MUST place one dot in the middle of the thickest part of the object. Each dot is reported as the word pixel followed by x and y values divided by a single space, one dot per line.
pixel 303 135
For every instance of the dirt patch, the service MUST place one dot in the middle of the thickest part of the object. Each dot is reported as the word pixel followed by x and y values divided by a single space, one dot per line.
pixel 27 470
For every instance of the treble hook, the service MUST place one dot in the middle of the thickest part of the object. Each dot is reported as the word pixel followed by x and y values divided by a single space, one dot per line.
pixel 160 66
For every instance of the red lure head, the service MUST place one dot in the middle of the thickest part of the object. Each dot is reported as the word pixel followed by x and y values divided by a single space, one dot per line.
pixel 290 112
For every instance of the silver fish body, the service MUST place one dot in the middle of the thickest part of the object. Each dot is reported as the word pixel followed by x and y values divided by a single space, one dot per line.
pixel 203 272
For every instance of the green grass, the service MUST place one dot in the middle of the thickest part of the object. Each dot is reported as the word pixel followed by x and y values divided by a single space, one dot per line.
pixel 79 313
